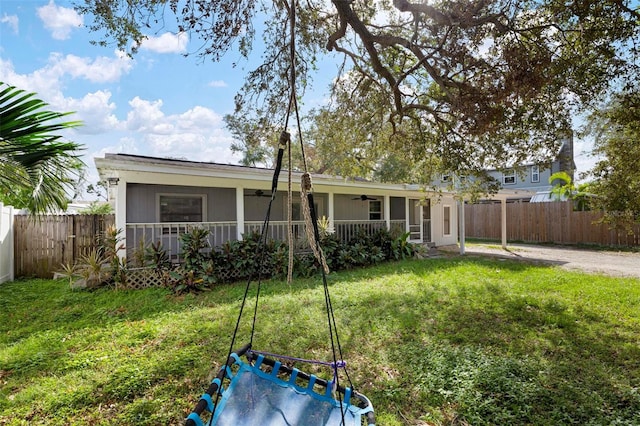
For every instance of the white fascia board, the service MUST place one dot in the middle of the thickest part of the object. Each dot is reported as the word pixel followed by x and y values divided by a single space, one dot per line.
pixel 171 172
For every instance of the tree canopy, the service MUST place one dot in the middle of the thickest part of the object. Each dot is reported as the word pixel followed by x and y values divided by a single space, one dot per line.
pixel 37 166
pixel 616 176
pixel 452 86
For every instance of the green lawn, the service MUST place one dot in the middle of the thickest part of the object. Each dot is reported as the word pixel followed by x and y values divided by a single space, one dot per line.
pixel 446 341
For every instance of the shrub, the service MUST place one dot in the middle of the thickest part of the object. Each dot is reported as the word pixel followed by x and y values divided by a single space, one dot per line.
pixel 156 257
pixel 203 266
pixel 196 271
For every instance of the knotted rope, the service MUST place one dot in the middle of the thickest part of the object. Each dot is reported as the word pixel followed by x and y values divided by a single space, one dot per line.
pixel 305 191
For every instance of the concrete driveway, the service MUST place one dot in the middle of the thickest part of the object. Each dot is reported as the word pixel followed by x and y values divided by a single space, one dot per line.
pixel 614 263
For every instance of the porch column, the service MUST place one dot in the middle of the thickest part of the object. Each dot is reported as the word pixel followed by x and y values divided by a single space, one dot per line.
pixel 503 222
pixel 330 210
pixel 461 227
pixel 407 226
pixel 120 209
pixel 387 211
pixel 421 216
pixel 239 212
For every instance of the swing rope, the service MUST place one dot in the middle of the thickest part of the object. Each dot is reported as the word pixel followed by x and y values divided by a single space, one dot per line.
pixel 313 237
pixel 308 208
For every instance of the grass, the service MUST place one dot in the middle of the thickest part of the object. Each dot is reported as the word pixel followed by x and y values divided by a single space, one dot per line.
pixel 450 341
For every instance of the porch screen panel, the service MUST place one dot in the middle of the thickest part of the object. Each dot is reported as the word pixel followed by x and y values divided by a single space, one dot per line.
pixel 181 208
pixel 446 220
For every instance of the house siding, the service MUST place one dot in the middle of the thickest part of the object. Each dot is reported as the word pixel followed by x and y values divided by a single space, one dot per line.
pixel 142 207
pixel 523 178
pixel 348 209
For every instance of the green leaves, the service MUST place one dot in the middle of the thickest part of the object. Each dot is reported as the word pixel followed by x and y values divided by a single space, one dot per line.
pixel 616 128
pixel 424 87
pixel 38 165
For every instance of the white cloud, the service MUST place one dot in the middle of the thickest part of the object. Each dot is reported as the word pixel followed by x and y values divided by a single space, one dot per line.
pixel 144 115
pixel 125 145
pixel 12 21
pixel 196 134
pixel 7 72
pixel 59 20
pixel 95 109
pixel 213 147
pixel 147 129
pixel 166 43
pixel 99 70
pixel 199 118
pixel 217 83
pixel 96 112
pixel 41 81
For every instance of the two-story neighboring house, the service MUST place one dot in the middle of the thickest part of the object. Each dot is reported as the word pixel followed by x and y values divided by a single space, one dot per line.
pixel 524 182
pixel 535 177
pixel 527 180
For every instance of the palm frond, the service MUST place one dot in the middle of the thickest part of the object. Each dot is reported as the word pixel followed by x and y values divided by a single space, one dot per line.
pixel 33 156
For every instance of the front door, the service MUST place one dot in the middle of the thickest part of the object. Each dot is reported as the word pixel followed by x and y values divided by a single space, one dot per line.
pixel 415 220
pixel 426 221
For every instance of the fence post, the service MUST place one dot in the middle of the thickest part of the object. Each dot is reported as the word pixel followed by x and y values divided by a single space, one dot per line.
pixel 503 222
pixel 6 244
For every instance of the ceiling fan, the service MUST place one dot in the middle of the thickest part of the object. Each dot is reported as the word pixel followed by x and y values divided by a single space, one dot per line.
pixel 364 197
pixel 259 193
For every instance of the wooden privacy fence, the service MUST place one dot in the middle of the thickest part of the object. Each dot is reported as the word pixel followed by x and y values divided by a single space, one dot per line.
pixel 42 245
pixel 554 222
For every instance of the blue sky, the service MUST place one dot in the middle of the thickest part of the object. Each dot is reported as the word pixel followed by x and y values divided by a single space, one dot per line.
pixel 159 103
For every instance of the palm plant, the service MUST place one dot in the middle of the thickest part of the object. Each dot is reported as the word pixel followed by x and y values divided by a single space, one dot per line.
pixel 565 189
pixel 36 165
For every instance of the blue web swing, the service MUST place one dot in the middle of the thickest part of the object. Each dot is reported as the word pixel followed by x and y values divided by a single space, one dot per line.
pixel 263 391
pixel 257 388
pixel 260 388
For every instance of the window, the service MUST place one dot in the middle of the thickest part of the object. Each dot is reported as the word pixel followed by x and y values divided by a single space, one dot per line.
pixel 375 210
pixel 445 178
pixel 296 209
pixel 535 174
pixel 446 220
pixel 509 177
pixel 181 208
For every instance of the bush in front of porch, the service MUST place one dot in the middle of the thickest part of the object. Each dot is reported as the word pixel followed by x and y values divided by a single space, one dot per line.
pixel 202 267
pixel 246 258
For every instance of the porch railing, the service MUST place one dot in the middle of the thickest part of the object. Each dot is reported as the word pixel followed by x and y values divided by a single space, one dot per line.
pixel 414 229
pixel 347 229
pixel 277 229
pixel 140 235
pixel 344 229
pixel 398 226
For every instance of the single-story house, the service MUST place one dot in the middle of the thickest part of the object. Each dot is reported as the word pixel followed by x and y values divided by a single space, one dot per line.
pixel 156 199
